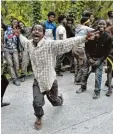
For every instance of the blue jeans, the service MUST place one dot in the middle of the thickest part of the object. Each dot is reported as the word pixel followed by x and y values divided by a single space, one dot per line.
pixel 86 73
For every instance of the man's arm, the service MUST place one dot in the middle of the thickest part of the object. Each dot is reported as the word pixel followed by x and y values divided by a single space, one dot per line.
pixel 54 33
pixel 23 41
pixel 64 46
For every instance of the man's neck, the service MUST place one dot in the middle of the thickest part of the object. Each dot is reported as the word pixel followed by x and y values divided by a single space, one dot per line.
pixel 50 21
pixel 62 24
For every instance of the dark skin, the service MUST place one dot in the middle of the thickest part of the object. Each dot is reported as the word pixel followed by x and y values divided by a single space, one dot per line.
pixel 51 18
pixel 101 28
pixel 37 33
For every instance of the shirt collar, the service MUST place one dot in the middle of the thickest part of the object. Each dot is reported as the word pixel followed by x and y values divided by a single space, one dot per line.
pixel 40 43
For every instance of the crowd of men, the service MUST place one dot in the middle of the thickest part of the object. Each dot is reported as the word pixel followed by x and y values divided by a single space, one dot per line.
pixel 47 48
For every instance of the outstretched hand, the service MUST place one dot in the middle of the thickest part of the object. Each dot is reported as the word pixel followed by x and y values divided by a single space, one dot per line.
pixel 92 36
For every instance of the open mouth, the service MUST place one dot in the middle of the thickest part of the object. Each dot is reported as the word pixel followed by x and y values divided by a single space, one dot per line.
pixel 101 29
pixel 36 36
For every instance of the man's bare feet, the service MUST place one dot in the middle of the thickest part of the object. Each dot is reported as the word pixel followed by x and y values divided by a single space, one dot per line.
pixel 38 124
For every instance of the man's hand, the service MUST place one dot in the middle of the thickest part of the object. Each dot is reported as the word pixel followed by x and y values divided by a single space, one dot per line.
pixel 16 31
pixel 96 64
pixel 91 61
pixel 92 36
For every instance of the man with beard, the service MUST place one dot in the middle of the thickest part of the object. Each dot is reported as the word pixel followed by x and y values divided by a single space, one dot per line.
pixel 42 54
pixel 60 35
pixel 97 51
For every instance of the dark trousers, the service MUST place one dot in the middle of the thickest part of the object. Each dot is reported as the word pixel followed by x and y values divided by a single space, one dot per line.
pixel 109 75
pixel 38 98
pixel 4 84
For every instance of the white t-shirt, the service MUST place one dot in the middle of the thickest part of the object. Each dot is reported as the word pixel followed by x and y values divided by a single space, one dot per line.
pixel 49 34
pixel 61 30
pixel 82 30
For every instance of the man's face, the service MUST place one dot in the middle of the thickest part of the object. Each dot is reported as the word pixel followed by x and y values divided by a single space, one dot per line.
pixel 21 25
pixel 101 25
pixel 37 33
pixel 69 23
pixel 111 14
pixel 64 21
pixel 14 23
pixel 51 18
pixel 92 18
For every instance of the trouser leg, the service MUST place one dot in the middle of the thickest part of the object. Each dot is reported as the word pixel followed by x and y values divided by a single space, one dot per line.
pixel 25 62
pixel 38 100
pixel 16 62
pixel 9 59
pixel 109 77
pixel 98 78
pixel 52 95
pixel 76 67
pixel 4 84
pixel 80 72
pixel 85 74
pixel 58 63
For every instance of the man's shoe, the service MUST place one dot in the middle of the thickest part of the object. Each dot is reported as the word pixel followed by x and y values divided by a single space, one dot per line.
pixel 62 100
pixel 16 82
pixel 106 84
pixel 109 92
pixel 78 82
pixel 72 71
pixel 22 79
pixel 80 90
pixel 59 74
pixel 38 124
pixel 96 95
pixel 4 104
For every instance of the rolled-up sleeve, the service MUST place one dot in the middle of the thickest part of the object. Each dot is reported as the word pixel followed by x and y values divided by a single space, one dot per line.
pixel 64 46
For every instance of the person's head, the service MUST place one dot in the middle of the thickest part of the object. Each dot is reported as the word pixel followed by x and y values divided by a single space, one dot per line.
pixel 89 15
pixel 14 22
pixel 38 32
pixel 62 19
pixel 69 22
pixel 110 14
pixel 85 21
pixel 21 25
pixel 51 16
pixel 101 26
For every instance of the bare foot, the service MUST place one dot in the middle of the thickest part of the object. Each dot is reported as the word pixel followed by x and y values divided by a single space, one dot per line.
pixel 38 124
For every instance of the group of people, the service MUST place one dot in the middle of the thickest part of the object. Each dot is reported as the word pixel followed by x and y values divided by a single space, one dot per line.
pixel 49 46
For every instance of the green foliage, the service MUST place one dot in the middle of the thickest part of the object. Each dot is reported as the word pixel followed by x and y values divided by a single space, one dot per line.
pixel 34 11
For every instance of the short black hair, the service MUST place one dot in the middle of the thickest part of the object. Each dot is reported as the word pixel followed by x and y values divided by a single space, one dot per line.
pixel 109 13
pixel 39 24
pixel 13 19
pixel 21 22
pixel 61 17
pixel 51 13
pixel 87 14
pixel 83 20
pixel 70 19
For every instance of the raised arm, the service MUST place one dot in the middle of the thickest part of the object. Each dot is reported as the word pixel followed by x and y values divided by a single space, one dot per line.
pixel 64 46
pixel 24 41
